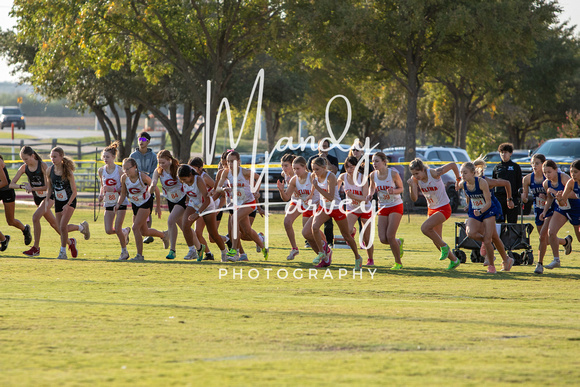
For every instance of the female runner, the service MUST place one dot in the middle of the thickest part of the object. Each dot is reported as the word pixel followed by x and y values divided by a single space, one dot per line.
pixel 8 196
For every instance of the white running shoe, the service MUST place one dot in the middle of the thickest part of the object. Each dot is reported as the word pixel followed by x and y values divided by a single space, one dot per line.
pixel 165 239
pixel 124 256
pixel 293 254
pixel 127 231
pixel 191 254
pixel 86 232
pixel 62 255
pixel 258 248
pixel 243 257
pixel 539 269
pixel 224 256
pixel 137 257
pixel 553 264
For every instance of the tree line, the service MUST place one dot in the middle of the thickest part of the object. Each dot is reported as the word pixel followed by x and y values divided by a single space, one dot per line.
pixel 469 73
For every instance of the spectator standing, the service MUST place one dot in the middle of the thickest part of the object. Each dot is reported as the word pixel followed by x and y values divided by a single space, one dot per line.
pixel 510 171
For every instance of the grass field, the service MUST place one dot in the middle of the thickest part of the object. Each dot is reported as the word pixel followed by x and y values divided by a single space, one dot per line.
pixel 96 321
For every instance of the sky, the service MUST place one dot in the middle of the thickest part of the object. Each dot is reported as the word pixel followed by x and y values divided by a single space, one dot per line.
pixel 571 13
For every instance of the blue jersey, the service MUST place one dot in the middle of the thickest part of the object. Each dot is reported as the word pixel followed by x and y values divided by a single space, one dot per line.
pixel 477 201
pixel 539 201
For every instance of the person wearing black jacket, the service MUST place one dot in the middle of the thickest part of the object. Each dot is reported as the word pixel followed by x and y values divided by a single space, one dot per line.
pixel 510 171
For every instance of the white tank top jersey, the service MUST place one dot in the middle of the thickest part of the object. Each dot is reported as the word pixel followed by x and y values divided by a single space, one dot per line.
pixel 434 191
pixel 386 199
pixel 204 173
pixel 302 192
pixel 112 180
pixel 325 203
pixel 244 194
pixel 355 205
pixel 172 188
pixel 195 197
pixel 137 192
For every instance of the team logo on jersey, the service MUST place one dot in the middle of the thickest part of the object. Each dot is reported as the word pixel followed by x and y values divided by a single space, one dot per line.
pixel 170 182
pixel 110 182
pixel 134 190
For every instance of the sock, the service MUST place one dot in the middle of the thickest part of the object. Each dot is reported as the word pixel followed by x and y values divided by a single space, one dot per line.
pixel 123 249
pixel 81 228
pixel 63 249
pixel 556 258
pixel 191 248
pixel 224 251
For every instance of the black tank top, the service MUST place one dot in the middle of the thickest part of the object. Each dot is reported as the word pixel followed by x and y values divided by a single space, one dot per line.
pixel 58 184
pixel 6 187
pixel 36 178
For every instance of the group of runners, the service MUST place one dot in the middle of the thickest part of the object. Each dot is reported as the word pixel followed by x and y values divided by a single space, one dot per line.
pixel 372 193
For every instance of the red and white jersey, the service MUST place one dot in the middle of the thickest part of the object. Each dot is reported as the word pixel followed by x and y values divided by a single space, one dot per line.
pixel 195 197
pixel 172 188
pixel 137 192
pixel 325 203
pixel 434 191
pixel 112 180
pixel 355 205
pixel 244 191
pixel 386 199
pixel 302 192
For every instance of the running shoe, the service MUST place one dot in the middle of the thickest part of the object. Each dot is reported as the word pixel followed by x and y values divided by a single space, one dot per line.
pixel 86 231
pixel 33 252
pixel 265 252
pixel 358 263
pixel 539 268
pixel 72 246
pixel 165 239
pixel 454 264
pixel 4 245
pixel 224 256
pixel 27 235
pixel 491 269
pixel 62 255
pixel 370 262
pixel 444 252
pixel 124 256
pixel 191 254
pixel 200 251
pixel 232 255
pixel 568 245
pixel 208 257
pixel 486 261
pixel 137 258
pixel 397 266
pixel 171 254
pixel 306 245
pixel 258 248
pixel 553 264
pixel 243 258
pixel 319 258
pixel 508 266
pixel 293 254
pixel 401 250
pixel 148 240
pixel 126 232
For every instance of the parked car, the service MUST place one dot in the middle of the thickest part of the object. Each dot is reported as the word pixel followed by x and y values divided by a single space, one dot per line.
pixel 561 150
pixel 493 158
pixel 11 114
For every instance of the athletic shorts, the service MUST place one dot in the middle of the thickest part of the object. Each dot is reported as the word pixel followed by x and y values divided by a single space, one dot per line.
pixel 58 205
pixel 573 215
pixel 492 211
pixel 148 205
pixel 362 215
pixel 398 209
pixel 182 203
pixel 8 196
pixel 38 200
pixel 445 210
pixel 219 216
pixel 336 214
pixel 538 211
pixel 122 207
pixel 305 213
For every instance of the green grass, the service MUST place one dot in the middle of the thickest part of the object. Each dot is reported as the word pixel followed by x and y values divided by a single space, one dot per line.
pixel 95 321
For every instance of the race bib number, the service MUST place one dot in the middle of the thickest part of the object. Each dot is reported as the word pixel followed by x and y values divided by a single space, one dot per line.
pixel 136 198
pixel 540 203
pixel 565 206
pixel 477 204
pixel 41 194
pixel 174 196
pixel 384 196
pixel 61 195
pixel 430 200
pixel 111 198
